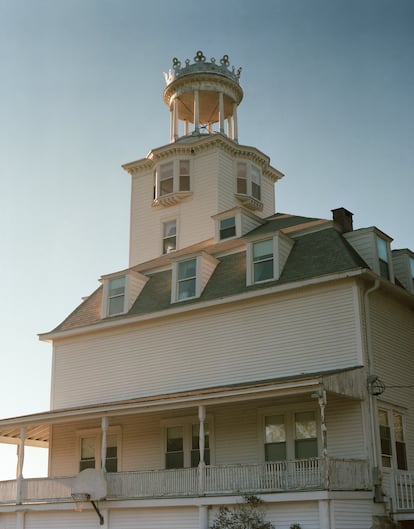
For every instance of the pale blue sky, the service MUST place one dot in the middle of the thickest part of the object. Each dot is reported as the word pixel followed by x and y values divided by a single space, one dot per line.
pixel 328 89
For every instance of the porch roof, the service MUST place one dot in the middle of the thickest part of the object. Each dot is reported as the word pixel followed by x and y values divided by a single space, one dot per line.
pixel 347 383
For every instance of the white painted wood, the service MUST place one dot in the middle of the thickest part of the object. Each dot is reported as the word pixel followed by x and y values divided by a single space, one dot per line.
pixel 280 330
pixel 158 518
pixel 352 514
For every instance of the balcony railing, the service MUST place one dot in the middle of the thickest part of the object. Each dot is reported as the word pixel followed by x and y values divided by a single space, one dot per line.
pixel 304 474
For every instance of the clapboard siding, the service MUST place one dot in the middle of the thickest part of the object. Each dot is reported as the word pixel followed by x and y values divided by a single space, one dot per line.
pixel 227 182
pixel 283 515
pixel 87 519
pixel 352 514
pixel 393 348
pixel 8 521
pixel 262 339
pixel 346 429
pixel 160 518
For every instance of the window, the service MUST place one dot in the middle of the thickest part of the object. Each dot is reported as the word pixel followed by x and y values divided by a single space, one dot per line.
pixel 306 443
pixel 412 271
pixel 171 177
pixel 248 180
pixel 227 228
pixel 263 261
pixel 275 438
pixel 90 450
pixel 169 239
pixel 290 435
pixel 391 429
pixel 186 279
pixel 116 296
pixel 87 457
pixel 382 249
pixel 182 445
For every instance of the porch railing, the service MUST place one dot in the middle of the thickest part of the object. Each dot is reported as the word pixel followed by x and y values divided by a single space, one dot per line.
pixel 304 474
pixel 404 490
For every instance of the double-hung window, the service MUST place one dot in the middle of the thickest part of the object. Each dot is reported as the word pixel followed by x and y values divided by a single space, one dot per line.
pixel 382 249
pixel 182 445
pixel 392 439
pixel 91 450
pixel 248 180
pixel 290 435
pixel 227 228
pixel 169 236
pixel 263 268
pixel 187 279
pixel 116 296
pixel 172 179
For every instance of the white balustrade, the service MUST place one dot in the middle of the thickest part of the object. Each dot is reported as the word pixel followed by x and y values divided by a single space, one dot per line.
pixel 404 490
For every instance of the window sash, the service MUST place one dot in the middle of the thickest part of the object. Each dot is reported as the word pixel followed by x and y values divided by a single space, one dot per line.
pixel 263 260
pixel 169 241
pixel 116 295
pixel 186 279
pixel 227 228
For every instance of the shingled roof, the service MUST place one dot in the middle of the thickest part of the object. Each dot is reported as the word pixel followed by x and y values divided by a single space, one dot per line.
pixel 319 249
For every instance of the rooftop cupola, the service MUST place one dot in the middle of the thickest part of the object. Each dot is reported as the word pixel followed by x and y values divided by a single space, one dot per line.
pixel 203 95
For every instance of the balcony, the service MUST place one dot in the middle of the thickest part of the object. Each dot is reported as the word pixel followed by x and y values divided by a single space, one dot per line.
pixel 284 476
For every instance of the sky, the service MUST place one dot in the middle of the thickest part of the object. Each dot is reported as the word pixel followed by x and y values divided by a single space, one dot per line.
pixel 328 95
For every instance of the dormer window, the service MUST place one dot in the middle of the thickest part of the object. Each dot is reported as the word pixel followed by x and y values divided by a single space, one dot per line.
pixel 266 258
pixel 116 296
pixel 186 279
pixel 382 249
pixel 172 182
pixel 191 275
pixel 120 292
pixel 248 185
pixel 263 260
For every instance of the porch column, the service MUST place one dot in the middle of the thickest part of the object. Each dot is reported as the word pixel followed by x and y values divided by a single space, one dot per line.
pixel 322 405
pixel 324 514
pixel 104 426
pixel 221 112
pixel 196 112
pixel 203 517
pixel 20 519
pixel 20 463
pixel 201 446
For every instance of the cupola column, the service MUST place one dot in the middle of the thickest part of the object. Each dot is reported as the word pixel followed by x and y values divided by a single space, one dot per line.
pixel 235 126
pixel 196 111
pixel 175 119
pixel 221 112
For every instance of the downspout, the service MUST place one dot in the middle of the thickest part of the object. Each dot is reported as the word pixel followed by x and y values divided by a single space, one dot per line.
pixel 371 400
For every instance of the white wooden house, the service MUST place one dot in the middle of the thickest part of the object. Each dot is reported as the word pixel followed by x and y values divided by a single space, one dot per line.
pixel 241 352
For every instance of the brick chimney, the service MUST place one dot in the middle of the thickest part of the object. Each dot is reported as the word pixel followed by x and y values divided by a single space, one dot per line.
pixel 343 218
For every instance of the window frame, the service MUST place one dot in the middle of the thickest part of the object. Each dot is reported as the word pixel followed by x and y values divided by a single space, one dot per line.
pixel 181 182
pixel 252 173
pixel 251 263
pixel 176 280
pixel 108 297
pixel 288 413
pixel 187 423
pixel 394 452
pixel 384 259
pixel 96 433
pixel 165 237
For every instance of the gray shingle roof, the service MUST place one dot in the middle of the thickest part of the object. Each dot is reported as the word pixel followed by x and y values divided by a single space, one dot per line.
pixel 314 254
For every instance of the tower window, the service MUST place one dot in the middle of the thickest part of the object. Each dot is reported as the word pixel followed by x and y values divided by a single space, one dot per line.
pixel 227 228
pixel 169 240
pixel 172 178
pixel 248 180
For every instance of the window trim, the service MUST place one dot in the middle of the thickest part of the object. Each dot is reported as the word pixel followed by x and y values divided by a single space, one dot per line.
pixel 251 264
pixel 175 280
pixel 97 433
pixel 250 198
pixel 177 194
pixel 288 412
pixel 186 423
pixel 107 298
pixel 164 222
pixel 393 457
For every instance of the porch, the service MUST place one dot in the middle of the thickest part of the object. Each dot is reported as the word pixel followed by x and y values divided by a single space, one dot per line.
pixel 270 477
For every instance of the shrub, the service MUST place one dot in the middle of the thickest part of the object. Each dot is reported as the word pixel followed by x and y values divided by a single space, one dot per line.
pixel 246 515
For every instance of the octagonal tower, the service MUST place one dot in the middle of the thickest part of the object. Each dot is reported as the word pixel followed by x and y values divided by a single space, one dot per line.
pixel 201 95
